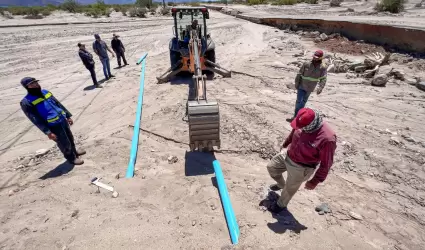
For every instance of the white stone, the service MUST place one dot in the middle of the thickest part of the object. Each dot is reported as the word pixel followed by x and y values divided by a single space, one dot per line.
pixel 41 152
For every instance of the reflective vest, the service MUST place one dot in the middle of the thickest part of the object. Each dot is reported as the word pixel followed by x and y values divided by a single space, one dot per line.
pixel 46 107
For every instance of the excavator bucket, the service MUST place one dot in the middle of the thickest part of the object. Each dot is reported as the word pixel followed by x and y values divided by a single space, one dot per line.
pixel 204 125
pixel 204 119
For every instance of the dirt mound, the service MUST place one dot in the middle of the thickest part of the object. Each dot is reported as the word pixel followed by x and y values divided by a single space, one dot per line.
pixel 343 45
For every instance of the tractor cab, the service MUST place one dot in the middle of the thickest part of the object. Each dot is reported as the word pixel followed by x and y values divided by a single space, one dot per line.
pixel 187 19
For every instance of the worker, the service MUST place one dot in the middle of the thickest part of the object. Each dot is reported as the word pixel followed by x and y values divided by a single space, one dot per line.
pixel 51 117
pixel 310 74
pixel 311 143
pixel 119 49
pixel 101 49
pixel 87 59
pixel 194 24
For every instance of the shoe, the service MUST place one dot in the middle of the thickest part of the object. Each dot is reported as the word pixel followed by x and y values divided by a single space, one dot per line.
pixel 97 86
pixel 276 209
pixel 111 76
pixel 275 187
pixel 81 152
pixel 289 119
pixel 78 161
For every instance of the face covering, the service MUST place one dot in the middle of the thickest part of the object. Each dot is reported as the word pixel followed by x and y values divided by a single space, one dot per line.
pixel 35 92
pixel 315 124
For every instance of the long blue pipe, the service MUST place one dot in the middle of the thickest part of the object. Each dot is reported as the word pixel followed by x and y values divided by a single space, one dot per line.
pixel 136 131
pixel 232 224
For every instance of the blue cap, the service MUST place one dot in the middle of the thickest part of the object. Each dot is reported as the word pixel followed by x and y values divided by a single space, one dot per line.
pixel 27 81
pixel 96 36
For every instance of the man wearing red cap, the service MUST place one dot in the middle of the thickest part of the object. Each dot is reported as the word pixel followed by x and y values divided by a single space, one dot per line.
pixel 310 74
pixel 311 143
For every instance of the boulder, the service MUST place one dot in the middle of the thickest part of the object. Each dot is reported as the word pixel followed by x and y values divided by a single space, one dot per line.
pixel 398 74
pixel 335 3
pixel 380 80
pixel 386 70
pixel 421 86
pixel 324 37
pixel 411 81
pixel 315 33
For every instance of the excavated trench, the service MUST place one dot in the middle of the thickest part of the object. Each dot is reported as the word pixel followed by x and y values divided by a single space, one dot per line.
pixel 390 37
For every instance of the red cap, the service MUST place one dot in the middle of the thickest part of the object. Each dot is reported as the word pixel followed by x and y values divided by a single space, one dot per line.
pixel 318 54
pixel 304 117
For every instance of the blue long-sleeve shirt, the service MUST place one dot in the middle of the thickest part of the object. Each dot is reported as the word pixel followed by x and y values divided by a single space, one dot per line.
pixel 31 112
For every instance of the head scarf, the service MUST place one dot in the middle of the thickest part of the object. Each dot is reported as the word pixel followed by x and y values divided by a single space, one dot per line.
pixel 315 124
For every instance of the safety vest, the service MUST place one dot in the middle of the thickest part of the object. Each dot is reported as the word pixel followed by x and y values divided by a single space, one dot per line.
pixel 46 107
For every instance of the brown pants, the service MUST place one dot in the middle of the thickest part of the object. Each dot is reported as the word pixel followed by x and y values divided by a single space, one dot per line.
pixel 297 174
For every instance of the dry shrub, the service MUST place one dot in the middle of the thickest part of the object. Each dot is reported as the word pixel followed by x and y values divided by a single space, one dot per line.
pixel 393 6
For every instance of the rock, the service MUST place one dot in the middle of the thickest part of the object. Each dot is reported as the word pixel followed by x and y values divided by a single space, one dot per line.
pixel 11 192
pixel 172 159
pixel 410 81
pixel 315 33
pixel 321 212
pixel 386 69
pixel 394 141
pixel 75 213
pixel 115 194
pixel 355 216
pixel 324 37
pixel 408 138
pixel 380 80
pixel 360 69
pixel 26 161
pixel 193 223
pixel 324 207
pixel 273 47
pixel 335 3
pixel 350 9
pixel 300 32
pixel 117 176
pixel 251 225
pixel 20 167
pixel 143 177
pixel 399 75
pixel 317 40
pixel 421 86
pixel 41 152
pixel 31 163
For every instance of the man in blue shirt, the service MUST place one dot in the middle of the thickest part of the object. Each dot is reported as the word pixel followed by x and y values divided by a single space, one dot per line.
pixel 101 49
pixel 51 117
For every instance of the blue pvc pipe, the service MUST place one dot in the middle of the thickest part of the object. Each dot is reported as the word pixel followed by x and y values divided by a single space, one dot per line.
pixel 232 224
pixel 136 131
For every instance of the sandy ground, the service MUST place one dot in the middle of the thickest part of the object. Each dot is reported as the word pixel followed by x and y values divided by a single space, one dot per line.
pixel 51 205
pixel 361 11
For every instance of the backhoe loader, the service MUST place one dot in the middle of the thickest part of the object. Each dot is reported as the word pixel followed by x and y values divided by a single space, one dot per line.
pixel 192 50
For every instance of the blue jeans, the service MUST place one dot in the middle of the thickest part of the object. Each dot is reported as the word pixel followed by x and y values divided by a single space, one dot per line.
pixel 106 67
pixel 302 97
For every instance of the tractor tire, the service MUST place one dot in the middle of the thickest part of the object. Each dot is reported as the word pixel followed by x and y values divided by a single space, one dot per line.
pixel 210 56
pixel 175 57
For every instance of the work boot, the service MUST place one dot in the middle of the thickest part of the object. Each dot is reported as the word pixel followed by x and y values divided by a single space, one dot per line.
pixel 80 152
pixel 110 76
pixel 78 161
pixel 275 187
